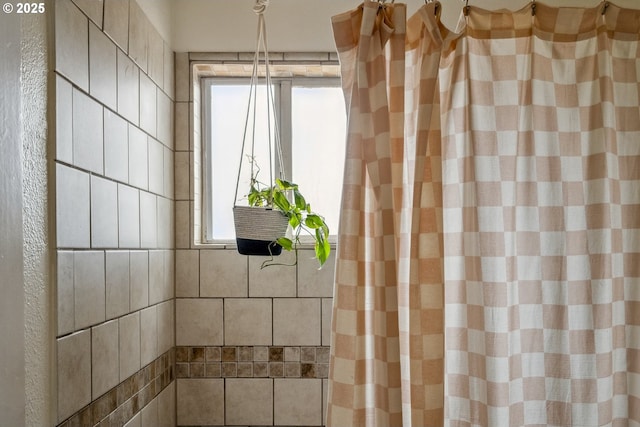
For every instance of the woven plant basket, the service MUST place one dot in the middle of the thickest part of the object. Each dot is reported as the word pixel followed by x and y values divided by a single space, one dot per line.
pixel 257 230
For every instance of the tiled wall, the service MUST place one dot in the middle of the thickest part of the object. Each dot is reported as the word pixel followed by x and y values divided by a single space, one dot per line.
pixel 114 210
pixel 252 344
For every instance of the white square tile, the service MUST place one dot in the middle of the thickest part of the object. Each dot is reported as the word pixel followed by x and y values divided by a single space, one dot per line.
pixel 223 273
pixel 296 321
pixel 166 329
pixel 156 56
pixel 150 414
pixel 138 158
pixel 200 401
pixel 327 313
pixel 65 292
pixel 116 147
pixel 165 119
pixel 136 421
pixel 117 283
pixel 64 120
pixel 128 88
pixel 169 75
pixel 89 288
pixel 72 208
pixel 74 373
pixel 187 273
pixel 169 291
pixel 129 345
pixel 148 335
pixel 139 279
pixel 102 67
pixel 198 322
pixel 249 401
pixel 168 177
pixel 167 406
pixel 116 22
pixel 138 35
pixel 91 8
pixel 72 43
pixel 156 276
pixel 104 213
pixel 156 166
pixel 297 402
pixel 128 216
pixel 312 281
pixel 148 220
pixel 148 106
pixel 247 321
pixel 273 281
pixel 87 133
pixel 105 372
pixel 165 223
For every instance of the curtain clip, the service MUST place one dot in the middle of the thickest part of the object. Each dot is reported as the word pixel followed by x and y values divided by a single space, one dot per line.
pixel 466 8
pixel 533 8
pixel 605 7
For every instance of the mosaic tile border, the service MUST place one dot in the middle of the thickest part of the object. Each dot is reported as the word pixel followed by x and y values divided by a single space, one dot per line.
pixel 252 362
pixel 116 407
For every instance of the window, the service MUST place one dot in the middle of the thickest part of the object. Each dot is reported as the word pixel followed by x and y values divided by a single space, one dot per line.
pixel 312 125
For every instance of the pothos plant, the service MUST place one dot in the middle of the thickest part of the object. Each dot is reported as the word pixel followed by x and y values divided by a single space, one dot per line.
pixel 286 197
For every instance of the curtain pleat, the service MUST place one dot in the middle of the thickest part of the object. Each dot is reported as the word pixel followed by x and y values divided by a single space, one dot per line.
pixel 488 268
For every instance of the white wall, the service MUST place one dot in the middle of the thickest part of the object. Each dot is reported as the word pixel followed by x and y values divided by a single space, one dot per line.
pixel 159 13
pixel 295 25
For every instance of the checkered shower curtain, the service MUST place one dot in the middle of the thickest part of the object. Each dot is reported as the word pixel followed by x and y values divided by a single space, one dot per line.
pixel 488 266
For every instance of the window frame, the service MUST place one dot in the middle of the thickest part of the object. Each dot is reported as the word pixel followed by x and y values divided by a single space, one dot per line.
pixel 283 89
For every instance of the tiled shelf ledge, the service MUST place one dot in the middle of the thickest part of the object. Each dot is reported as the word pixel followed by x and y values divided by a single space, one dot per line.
pixel 252 362
pixel 120 404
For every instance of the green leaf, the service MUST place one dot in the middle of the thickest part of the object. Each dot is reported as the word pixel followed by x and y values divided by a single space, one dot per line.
pixel 322 247
pixel 286 185
pixel 295 220
pixel 314 221
pixel 281 201
pixel 286 243
pixel 301 203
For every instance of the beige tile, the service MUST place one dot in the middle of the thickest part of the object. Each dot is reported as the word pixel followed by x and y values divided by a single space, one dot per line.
pixel 167 406
pixel 166 329
pixel 327 313
pixel 138 35
pixel 198 322
pixel 72 208
pixel 156 166
pixel 223 273
pixel 104 358
pixel 129 345
pixel 183 77
pixel 117 283
pixel 200 401
pixel 156 276
pixel 297 402
pixel 165 223
pixel 273 281
pixel 148 220
pixel 138 158
pixel 116 147
pixel 72 43
pixel 150 414
pixel 64 120
pixel 104 213
pixel 148 107
pixel 156 56
pixel 148 335
pixel 74 373
pixel 168 176
pixel 116 22
pixel 102 67
pixel 183 230
pixel 89 288
pixel 165 119
pixel 136 421
pixel 314 282
pixel 169 75
pixel 247 321
pixel 181 129
pixel 249 401
pixel 169 275
pixel 65 292
pixel 87 133
pixel 182 177
pixel 92 8
pixel 325 390
pixel 128 216
pixel 139 279
pixel 296 321
pixel 187 273
pixel 128 88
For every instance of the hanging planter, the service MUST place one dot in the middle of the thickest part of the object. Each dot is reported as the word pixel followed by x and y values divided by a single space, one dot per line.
pixel 262 227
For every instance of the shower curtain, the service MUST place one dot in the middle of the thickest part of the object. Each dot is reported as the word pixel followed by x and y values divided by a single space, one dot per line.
pixel 488 268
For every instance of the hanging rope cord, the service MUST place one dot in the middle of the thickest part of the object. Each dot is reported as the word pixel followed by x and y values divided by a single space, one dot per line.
pixel 261 39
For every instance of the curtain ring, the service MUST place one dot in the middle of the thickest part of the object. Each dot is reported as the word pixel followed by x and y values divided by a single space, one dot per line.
pixel 466 8
pixel 605 7
pixel 533 7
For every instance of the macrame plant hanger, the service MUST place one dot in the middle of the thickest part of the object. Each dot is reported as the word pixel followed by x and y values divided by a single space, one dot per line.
pixel 257 228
